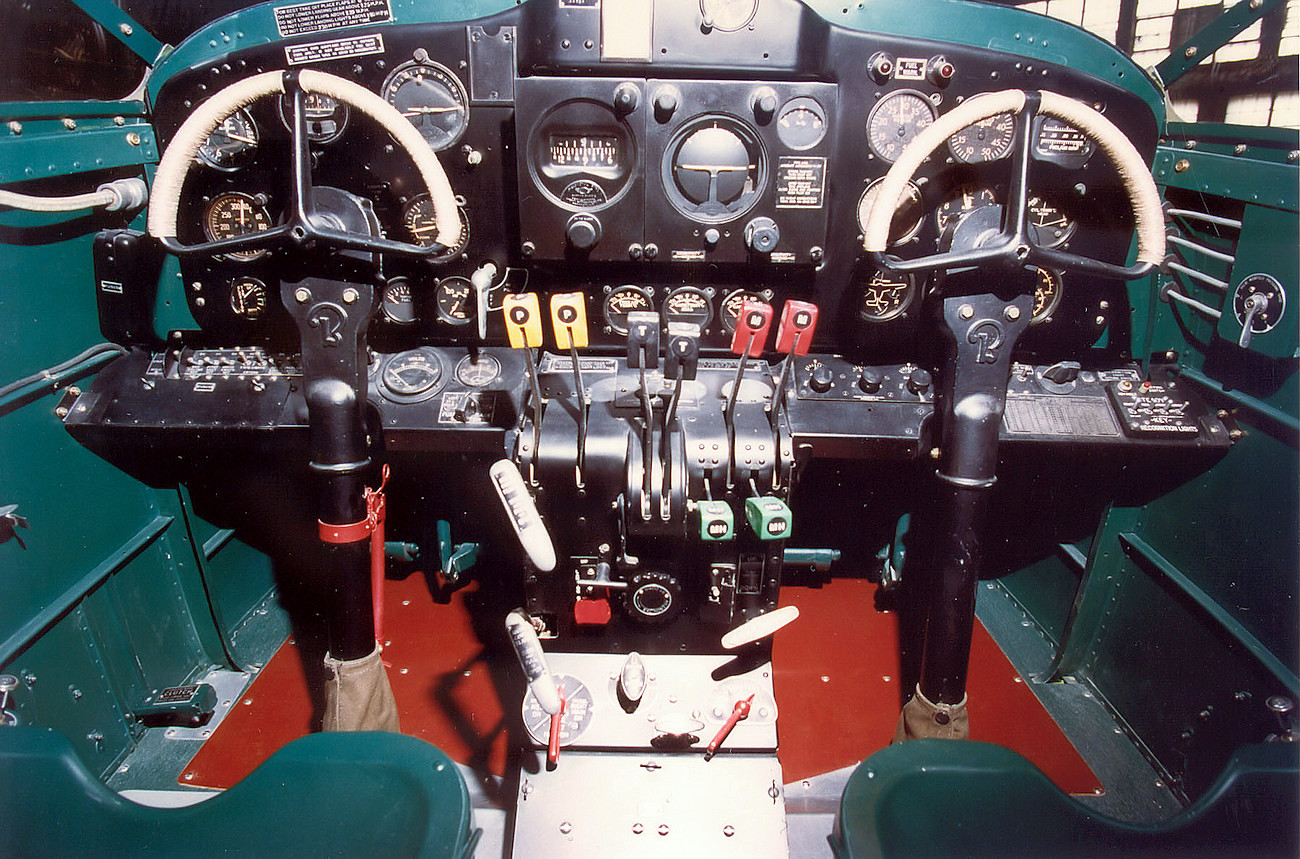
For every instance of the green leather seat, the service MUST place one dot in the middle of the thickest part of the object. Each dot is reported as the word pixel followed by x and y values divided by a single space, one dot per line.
pixel 367 794
pixel 945 798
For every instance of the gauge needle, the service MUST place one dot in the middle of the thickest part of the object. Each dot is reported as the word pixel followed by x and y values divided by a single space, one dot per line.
pixel 416 111
pixel 241 138
pixel 419 230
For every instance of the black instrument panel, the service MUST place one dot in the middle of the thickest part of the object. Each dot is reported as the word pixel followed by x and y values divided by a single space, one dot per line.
pixel 718 167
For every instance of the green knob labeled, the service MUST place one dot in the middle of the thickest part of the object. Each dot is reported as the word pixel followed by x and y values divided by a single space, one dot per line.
pixel 717 522
pixel 769 517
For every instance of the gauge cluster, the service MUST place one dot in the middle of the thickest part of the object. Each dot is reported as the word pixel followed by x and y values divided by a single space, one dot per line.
pixel 740 157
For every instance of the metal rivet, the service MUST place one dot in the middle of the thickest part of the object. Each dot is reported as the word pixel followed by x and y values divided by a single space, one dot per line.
pixel 1181 165
pixel 1013 313
pixel 965 311
pixel 125 29
pixel 16 127
pixel 302 295
pixel 1190 52
pixel 70 124
pixel 350 296
pixel 200 301
pixel 133 139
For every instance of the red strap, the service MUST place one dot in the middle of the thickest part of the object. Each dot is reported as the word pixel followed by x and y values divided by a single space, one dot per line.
pixel 360 530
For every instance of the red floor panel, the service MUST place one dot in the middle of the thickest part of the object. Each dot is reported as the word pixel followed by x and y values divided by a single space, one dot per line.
pixel 836 685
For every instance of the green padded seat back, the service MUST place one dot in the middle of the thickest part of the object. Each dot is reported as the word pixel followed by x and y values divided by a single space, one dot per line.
pixel 365 794
pixel 946 798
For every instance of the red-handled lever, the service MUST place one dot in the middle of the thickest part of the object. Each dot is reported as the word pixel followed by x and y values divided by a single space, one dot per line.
pixel 738 712
pixel 553 741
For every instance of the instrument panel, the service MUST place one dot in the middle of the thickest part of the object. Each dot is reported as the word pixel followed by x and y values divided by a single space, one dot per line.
pixel 671 183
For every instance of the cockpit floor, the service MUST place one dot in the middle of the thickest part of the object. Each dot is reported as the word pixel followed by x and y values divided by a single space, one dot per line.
pixel 837 677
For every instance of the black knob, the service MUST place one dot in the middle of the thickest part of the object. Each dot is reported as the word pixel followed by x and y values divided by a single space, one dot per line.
pixel 626 98
pixel 1062 372
pixel 919 382
pixel 869 382
pixel 666 103
pixel 762 235
pixel 822 379
pixel 763 104
pixel 583 231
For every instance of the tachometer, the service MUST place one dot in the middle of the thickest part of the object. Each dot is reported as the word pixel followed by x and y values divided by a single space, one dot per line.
pixel 896 120
pixel 432 98
pixel 887 296
pixel 907 214
pixel 232 144
pixel 1053 226
pixel 986 140
pixel 233 214
pixel 622 301
pixel 1047 295
pixel 454 298
pixel 688 304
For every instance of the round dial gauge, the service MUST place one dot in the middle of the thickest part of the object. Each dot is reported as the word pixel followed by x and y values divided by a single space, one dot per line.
pixel 432 98
pixel 232 144
pixel 987 140
pixel 1053 227
pixel 577 712
pixel 326 117
pixel 688 304
pixel 907 214
pixel 730 309
pixel 727 15
pixel 397 302
pixel 963 200
pixel 409 377
pixel 478 371
pixel 420 223
pixel 455 300
pixel 234 214
pixel 896 120
pixel 1047 295
pixel 801 123
pixel 887 296
pixel 248 297
pixel 622 301
pixel 714 170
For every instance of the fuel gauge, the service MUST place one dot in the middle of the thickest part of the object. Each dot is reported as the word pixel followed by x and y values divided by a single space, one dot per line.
pixel 397 303
pixel 248 298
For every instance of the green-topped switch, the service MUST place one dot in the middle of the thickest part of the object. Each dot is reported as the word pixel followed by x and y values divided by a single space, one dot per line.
pixel 717 522
pixel 769 517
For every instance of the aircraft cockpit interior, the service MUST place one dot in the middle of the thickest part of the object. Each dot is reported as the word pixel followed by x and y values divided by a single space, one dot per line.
pixel 648 427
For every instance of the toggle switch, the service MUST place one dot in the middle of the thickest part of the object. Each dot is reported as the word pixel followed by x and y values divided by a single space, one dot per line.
pixel 683 350
pixel 752 325
pixel 717 522
pixel 523 320
pixel 769 517
pixel 569 319
pixel 643 339
pixel 798 324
